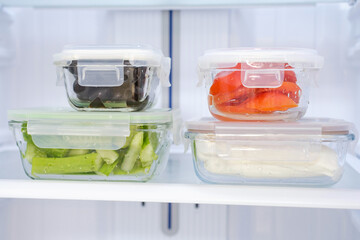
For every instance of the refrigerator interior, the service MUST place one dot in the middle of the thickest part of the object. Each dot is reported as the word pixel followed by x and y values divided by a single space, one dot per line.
pixel 58 219
pixel 30 36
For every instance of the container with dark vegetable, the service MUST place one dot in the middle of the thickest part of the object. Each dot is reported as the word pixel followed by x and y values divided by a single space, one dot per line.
pixel 112 78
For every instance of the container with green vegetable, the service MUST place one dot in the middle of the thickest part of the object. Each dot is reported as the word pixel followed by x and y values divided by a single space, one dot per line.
pixel 65 144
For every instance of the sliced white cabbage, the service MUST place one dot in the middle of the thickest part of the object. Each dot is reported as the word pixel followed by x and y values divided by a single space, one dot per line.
pixel 268 160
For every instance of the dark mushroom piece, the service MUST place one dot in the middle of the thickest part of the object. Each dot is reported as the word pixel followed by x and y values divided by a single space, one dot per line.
pixel 132 93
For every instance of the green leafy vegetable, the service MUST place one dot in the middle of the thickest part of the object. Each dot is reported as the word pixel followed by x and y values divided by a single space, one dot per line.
pixel 147 154
pixel 77 164
pixel 137 169
pixel 135 157
pixel 106 169
pixel 133 152
pixel 109 156
pixel 55 152
pixel 77 152
pixel 33 151
pixel 129 138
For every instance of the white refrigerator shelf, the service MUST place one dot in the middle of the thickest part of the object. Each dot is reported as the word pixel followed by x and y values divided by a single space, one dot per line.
pixel 179 184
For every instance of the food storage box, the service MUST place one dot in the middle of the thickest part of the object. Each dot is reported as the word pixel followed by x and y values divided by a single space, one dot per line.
pixel 257 83
pixel 112 78
pixel 307 152
pixel 65 144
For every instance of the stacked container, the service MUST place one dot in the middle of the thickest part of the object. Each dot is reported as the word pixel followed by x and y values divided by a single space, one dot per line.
pixel 260 96
pixel 113 135
pixel 122 78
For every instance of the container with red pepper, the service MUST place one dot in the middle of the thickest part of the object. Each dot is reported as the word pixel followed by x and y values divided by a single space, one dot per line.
pixel 258 84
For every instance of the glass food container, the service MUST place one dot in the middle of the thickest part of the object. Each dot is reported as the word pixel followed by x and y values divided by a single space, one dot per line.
pixel 112 78
pixel 307 152
pixel 65 144
pixel 258 83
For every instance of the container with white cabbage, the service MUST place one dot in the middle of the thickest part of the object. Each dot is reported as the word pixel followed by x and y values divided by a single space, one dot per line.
pixel 307 152
pixel 65 144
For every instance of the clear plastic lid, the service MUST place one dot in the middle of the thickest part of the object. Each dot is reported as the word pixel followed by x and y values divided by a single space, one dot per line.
pixel 113 58
pixel 230 57
pixel 160 116
pixel 306 126
pixel 137 55
pixel 67 128
pixel 313 131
